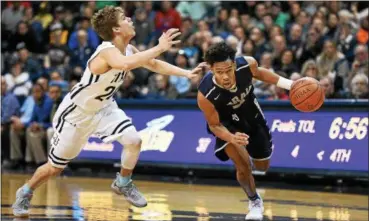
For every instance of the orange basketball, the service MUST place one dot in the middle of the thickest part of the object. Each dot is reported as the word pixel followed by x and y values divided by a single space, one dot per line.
pixel 307 95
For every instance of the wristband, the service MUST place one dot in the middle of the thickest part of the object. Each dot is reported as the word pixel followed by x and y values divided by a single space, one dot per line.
pixel 284 83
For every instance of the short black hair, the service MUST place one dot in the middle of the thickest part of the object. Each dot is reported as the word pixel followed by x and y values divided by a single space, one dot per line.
pixel 219 52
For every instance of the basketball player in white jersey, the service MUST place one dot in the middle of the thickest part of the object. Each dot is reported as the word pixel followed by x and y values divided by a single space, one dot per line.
pixel 89 108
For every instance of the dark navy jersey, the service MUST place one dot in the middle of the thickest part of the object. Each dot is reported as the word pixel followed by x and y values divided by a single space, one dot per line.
pixel 238 109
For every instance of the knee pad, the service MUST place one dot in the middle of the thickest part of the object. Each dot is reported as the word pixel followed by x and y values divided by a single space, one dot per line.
pixel 131 142
pixel 130 137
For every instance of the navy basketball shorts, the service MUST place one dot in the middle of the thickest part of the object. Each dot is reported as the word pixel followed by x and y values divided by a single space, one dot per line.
pixel 259 147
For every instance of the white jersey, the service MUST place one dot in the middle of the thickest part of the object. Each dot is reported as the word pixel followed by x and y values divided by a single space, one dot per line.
pixel 95 92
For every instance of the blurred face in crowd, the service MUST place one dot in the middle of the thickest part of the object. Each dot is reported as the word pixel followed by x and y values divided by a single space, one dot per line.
pixel 239 33
pixel 266 60
pixel 16 69
pixel 296 32
pixel 287 57
pixel 295 9
pixel 85 24
pixel 37 92
pixel 232 41
pixel 22 28
pixel 313 36
pixel 181 61
pixel 319 24
pixel 141 16
pixel 28 13
pixel 55 76
pixel 3 86
pixel 323 9
pixel 268 21
pixel 260 10
pixel 224 73
pixel 319 15
pixel 54 92
pixel 248 48
pixel 279 43
pixel 234 13
pixel 88 12
pixel 275 31
pixel 303 18
pixel 245 21
pixel 233 23
pixel 186 26
pixel 361 54
pixel 23 54
pixel 256 35
pixel 359 85
pixel 329 49
pixel 275 10
pixel 82 37
pixel 332 20
pixel 161 81
pixel 43 82
pixel 202 26
pixel 327 85
pixel 312 71
pixel 223 14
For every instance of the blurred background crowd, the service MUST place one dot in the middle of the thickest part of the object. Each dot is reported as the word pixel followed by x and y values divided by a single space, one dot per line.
pixel 45 47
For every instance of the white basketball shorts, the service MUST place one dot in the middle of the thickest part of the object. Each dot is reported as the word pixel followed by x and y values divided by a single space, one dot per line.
pixel 73 126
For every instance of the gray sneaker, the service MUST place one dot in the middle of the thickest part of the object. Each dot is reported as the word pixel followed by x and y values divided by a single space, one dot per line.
pixel 130 192
pixel 22 203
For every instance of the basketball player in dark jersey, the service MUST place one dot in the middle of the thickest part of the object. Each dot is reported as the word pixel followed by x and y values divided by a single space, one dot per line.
pixel 234 116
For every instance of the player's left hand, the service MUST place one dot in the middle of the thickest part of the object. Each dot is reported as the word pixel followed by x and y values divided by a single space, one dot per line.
pixel 196 71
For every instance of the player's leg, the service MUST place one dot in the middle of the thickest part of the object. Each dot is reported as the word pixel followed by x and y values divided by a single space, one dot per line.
pixel 260 151
pixel 66 144
pixel 123 184
pixel 115 125
pixel 241 160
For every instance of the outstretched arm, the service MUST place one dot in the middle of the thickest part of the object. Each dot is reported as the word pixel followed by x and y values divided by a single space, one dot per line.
pixel 162 67
pixel 116 60
pixel 220 131
pixel 268 76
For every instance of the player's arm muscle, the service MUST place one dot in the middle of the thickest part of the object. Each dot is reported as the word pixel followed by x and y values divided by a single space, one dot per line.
pixel 116 60
pixel 268 76
pixel 212 117
pixel 162 67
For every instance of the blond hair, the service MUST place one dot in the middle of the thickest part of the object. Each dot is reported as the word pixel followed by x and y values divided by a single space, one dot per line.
pixel 104 20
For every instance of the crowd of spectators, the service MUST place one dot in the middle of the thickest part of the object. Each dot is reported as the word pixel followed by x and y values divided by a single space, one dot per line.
pixel 45 47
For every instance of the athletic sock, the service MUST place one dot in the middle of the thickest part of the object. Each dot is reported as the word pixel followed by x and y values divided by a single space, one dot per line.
pixel 27 189
pixel 123 180
pixel 255 197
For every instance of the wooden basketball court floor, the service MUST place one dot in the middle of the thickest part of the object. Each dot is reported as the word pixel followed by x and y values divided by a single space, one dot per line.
pixel 83 198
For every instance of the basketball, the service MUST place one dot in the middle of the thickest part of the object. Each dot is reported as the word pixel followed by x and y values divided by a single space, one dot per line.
pixel 307 95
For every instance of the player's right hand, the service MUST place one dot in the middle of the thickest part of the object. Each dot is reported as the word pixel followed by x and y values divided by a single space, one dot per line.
pixel 240 139
pixel 167 39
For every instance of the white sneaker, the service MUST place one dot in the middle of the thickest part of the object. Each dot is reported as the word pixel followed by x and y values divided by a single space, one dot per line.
pixel 22 203
pixel 256 209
